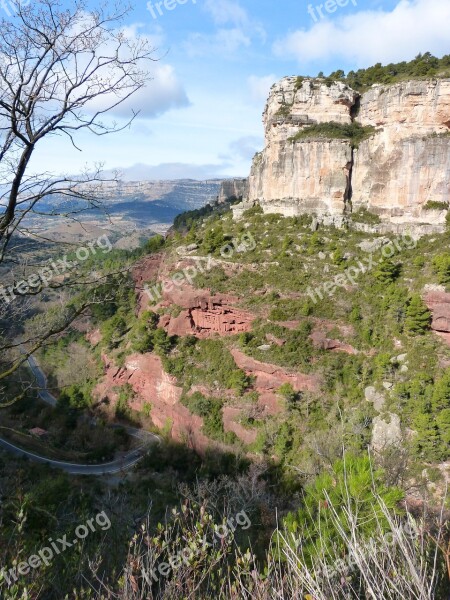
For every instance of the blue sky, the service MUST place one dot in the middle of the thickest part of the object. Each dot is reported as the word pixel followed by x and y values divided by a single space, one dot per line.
pixel 201 114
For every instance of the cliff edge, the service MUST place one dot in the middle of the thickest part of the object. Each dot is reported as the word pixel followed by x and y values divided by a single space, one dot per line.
pixel 330 150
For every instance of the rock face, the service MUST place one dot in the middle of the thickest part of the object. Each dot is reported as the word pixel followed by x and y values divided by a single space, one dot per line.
pixel 208 315
pixel 307 177
pixel 439 304
pixel 233 189
pixel 406 164
pixel 144 271
pixel 269 378
pixel 376 398
pixel 151 384
pixel 311 176
pixel 201 313
pixel 320 340
pixel 403 164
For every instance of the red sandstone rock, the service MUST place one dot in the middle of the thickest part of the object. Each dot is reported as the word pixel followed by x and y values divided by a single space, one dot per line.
pixel 152 384
pixel 230 416
pixel 145 271
pixel 203 314
pixel 269 378
pixel 439 304
pixel 206 315
pixel 164 320
pixel 271 338
pixel 94 337
pixel 320 340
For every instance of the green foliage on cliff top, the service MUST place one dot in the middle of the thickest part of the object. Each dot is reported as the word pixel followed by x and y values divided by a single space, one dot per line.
pixel 422 67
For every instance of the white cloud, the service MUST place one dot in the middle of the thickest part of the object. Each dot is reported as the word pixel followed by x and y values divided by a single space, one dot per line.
pixel 246 147
pixel 235 29
pixel 260 86
pixel 224 41
pixel 163 93
pixel 372 36
pixel 226 11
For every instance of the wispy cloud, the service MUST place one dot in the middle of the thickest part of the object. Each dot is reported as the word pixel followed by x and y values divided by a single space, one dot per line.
pixel 244 148
pixel 260 86
pixel 235 29
pixel 372 36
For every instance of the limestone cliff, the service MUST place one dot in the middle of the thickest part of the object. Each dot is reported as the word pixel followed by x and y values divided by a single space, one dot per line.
pixel 403 164
pixel 233 189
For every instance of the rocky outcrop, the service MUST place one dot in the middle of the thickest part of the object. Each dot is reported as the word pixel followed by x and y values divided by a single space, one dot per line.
pixel 439 304
pixel 308 177
pixel 208 315
pixel 152 385
pixel 376 398
pixel 412 107
pixel 269 378
pixel 386 432
pixel 231 417
pixel 145 271
pixel 402 165
pixel 320 340
pixel 293 103
pixel 233 189
pixel 201 314
pixel 311 176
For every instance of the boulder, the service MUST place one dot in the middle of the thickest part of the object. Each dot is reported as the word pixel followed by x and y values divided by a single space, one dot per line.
pixel 386 433
pixel 377 398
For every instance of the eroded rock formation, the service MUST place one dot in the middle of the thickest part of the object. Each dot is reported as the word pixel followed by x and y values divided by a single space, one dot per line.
pixel 233 189
pixel 269 378
pixel 439 304
pixel 407 163
pixel 202 314
pixel 152 385
pixel 395 172
pixel 209 315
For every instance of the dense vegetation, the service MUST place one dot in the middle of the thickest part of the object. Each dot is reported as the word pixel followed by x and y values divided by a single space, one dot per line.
pixel 423 66
pixel 185 220
pixel 340 514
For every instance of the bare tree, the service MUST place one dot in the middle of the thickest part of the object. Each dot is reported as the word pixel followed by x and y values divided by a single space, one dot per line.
pixel 61 71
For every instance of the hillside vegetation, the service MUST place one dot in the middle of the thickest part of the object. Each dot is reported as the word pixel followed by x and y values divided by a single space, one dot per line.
pixel 347 516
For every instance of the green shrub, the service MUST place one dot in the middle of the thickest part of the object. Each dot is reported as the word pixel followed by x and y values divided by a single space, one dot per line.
pixel 435 205
pixel 364 216
pixel 441 266
pixel 353 132
pixel 155 244
pixel 387 271
pixel 418 317
pixel 75 397
pixel 349 488
pixel 113 331
pixel 126 393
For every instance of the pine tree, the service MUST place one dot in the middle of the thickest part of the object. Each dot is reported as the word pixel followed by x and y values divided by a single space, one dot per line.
pixel 418 317
pixel 440 399
pixel 427 442
pixel 443 423
pixel 441 266
pixel 387 271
